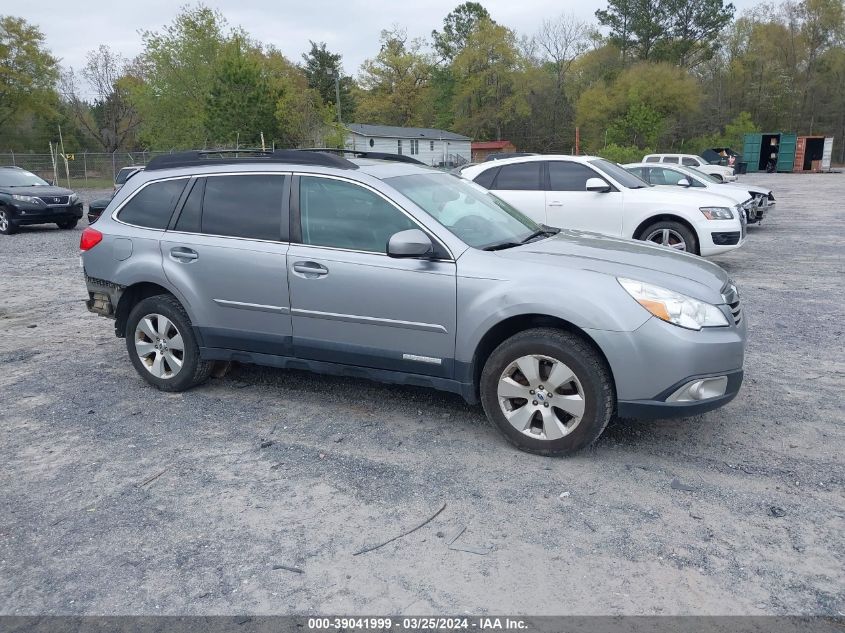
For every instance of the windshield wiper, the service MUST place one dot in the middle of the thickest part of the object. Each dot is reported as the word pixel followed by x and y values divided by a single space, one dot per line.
pixel 543 230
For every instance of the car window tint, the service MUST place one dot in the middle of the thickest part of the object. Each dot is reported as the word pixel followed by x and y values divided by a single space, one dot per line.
pixel 344 215
pixel 566 176
pixel 652 159
pixel 518 177
pixel 485 178
pixel 690 162
pixel 189 218
pixel 153 205
pixel 243 206
pixel 672 177
pixel 670 159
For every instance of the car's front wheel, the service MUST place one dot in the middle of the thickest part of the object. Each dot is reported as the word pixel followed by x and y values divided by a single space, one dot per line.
pixel 672 235
pixel 7 227
pixel 162 345
pixel 548 391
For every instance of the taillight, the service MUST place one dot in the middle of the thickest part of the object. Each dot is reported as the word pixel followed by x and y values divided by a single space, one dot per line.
pixel 90 238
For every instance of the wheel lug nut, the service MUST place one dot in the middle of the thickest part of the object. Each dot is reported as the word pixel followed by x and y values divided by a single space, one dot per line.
pixel 546 404
pixel 540 387
pixel 534 403
pixel 531 392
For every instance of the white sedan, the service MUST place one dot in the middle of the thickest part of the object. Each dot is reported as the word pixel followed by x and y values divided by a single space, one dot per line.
pixel 755 200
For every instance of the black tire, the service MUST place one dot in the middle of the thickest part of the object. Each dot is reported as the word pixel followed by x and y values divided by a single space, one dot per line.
pixel 7 226
pixel 194 370
pixel 686 234
pixel 67 224
pixel 587 365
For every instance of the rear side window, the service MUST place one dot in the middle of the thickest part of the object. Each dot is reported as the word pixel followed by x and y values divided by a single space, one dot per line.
pixel 670 159
pixel 485 178
pixel 565 176
pixel 243 206
pixel 519 177
pixel 189 218
pixel 652 159
pixel 153 205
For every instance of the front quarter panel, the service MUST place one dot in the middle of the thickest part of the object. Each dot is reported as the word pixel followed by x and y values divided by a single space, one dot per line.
pixel 492 289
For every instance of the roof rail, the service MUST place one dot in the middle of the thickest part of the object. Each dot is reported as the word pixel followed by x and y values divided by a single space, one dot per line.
pixel 239 156
pixel 398 158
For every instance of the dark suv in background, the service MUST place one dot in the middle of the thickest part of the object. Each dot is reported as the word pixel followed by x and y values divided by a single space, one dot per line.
pixel 27 199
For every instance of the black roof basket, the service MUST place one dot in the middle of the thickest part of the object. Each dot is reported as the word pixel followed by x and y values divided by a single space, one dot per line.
pixel 398 158
pixel 237 156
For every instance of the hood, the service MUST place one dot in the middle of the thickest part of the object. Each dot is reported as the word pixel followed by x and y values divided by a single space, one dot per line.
pixel 669 194
pixel 38 191
pixel 681 272
pixel 752 189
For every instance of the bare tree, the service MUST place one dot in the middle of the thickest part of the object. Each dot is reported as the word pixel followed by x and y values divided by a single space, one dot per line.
pixel 100 101
pixel 559 42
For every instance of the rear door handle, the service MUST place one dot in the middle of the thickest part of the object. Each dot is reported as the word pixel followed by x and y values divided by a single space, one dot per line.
pixel 310 269
pixel 555 203
pixel 184 255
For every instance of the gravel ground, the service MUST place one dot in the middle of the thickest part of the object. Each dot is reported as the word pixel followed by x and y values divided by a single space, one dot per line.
pixel 118 499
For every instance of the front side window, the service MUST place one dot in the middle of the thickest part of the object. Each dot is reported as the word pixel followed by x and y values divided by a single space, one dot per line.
pixel 619 174
pixel 477 217
pixel 566 176
pixel 153 205
pixel 690 162
pixel 670 159
pixel 519 177
pixel 652 159
pixel 344 215
pixel 248 205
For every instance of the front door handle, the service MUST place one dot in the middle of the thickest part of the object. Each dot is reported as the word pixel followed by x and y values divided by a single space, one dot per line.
pixel 310 269
pixel 184 255
pixel 555 203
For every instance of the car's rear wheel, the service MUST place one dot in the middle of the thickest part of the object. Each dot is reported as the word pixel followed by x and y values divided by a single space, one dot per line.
pixel 67 224
pixel 7 227
pixel 548 391
pixel 672 235
pixel 162 346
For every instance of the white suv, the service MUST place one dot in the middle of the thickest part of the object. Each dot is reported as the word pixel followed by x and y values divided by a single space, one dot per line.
pixel 719 172
pixel 592 194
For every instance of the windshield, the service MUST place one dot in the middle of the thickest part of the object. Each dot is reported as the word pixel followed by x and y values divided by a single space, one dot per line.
pixel 476 216
pixel 705 177
pixel 619 174
pixel 19 178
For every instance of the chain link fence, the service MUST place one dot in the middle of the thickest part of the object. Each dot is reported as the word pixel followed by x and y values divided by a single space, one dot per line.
pixel 82 170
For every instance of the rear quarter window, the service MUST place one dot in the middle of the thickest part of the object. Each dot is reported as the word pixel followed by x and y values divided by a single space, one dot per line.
pixel 486 178
pixel 153 205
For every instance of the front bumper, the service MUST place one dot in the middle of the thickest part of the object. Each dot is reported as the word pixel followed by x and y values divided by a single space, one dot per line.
pixel 722 236
pixel 650 364
pixel 24 214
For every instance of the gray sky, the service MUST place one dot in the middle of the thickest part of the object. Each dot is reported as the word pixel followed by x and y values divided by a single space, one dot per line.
pixel 349 27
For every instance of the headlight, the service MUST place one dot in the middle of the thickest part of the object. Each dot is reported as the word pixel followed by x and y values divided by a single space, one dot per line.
pixel 31 199
pixel 673 307
pixel 717 213
pixel 74 198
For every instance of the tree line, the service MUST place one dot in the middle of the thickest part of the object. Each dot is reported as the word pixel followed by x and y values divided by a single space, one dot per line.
pixel 646 75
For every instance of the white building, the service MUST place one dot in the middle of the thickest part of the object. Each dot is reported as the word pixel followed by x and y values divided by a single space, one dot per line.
pixel 429 146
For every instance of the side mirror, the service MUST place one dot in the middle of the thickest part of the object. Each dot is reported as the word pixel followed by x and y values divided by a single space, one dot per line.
pixel 410 243
pixel 598 185
pixel 683 182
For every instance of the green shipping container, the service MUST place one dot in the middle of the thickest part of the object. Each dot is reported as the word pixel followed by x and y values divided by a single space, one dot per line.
pixel 777 147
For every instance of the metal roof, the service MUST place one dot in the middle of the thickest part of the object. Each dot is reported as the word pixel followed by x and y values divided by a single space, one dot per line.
pixel 392 131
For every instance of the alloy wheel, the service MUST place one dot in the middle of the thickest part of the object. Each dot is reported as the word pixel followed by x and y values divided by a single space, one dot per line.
pixel 667 237
pixel 159 345
pixel 541 397
pixel 4 221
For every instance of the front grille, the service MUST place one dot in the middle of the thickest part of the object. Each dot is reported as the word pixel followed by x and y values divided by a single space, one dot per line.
pixel 731 297
pixel 52 200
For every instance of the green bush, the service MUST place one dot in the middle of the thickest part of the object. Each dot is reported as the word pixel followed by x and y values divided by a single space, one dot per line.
pixel 623 153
